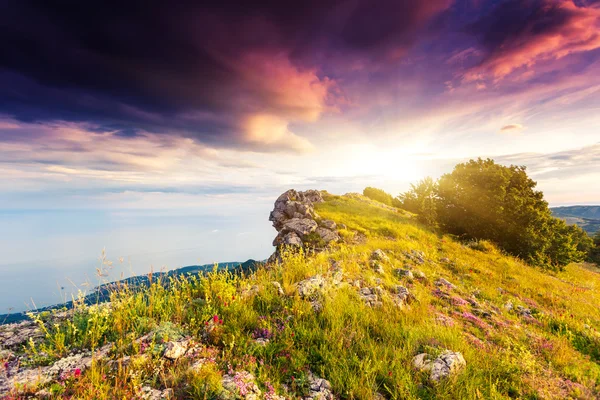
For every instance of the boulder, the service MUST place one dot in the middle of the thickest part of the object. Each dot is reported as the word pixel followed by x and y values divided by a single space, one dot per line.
pixel 446 364
pixel 296 221
pixel 328 224
pixel 300 226
pixel 327 235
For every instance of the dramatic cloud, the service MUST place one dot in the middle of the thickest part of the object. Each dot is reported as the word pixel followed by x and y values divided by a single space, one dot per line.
pixel 519 34
pixel 223 73
pixel 161 97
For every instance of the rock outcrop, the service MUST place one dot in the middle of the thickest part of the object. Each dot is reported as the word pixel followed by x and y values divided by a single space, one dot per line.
pixel 297 223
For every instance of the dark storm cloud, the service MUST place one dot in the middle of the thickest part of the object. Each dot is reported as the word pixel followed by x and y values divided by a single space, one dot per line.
pixel 204 71
pixel 522 33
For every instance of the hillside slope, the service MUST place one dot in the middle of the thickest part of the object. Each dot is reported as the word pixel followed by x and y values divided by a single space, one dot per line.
pixel 586 217
pixel 343 323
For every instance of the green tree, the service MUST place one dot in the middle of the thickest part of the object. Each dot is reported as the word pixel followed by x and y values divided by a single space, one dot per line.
pixel 422 200
pixel 566 243
pixel 594 254
pixel 480 199
pixel 378 195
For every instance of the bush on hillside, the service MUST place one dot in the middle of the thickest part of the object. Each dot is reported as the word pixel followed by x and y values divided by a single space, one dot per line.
pixel 594 253
pixel 480 199
pixel 378 195
pixel 421 199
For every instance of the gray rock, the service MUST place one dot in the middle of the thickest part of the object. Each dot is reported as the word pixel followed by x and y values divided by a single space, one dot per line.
pixel 402 296
pixel 148 393
pixel 33 377
pixel 301 226
pixel 377 267
pixel 524 312
pixel 446 364
pixel 15 335
pixel 308 288
pixel 445 283
pixel 288 239
pixel 328 224
pixel 176 350
pixel 416 256
pixel 319 388
pixel 371 296
pixel 327 235
pixel 404 273
pixel 379 255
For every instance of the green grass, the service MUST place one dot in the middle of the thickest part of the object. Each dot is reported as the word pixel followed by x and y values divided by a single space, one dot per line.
pixel 360 350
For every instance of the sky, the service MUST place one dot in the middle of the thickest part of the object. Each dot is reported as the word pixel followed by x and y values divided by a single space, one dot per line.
pixel 214 106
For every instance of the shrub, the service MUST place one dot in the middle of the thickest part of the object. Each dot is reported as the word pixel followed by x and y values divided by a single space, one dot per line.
pixel 421 199
pixel 378 195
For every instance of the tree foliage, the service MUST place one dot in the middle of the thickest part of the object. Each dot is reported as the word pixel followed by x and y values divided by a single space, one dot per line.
pixel 378 195
pixel 594 253
pixel 480 199
pixel 421 199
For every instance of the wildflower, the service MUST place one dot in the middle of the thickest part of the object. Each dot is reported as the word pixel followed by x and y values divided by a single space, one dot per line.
pixel 389 373
pixel 6 365
pixel 77 372
pixel 215 318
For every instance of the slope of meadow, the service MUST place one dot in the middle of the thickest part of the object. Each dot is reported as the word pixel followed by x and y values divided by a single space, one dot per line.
pixel 523 333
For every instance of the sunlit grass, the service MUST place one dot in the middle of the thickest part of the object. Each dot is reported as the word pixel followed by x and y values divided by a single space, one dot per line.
pixel 360 350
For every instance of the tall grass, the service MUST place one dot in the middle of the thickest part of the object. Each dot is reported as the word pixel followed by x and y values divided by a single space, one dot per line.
pixel 360 350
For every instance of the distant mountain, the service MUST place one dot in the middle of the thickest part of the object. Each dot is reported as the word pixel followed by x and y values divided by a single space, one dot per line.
pixel 102 292
pixel 587 217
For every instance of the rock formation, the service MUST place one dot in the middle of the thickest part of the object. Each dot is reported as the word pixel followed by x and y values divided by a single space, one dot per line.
pixel 297 223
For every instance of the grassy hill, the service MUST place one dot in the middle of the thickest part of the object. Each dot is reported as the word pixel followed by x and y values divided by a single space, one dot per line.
pixel 523 333
pixel 586 217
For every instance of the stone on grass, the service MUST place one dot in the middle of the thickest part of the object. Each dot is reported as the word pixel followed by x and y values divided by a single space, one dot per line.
pixel 371 296
pixel 379 255
pixel 319 388
pixel 176 350
pixel 377 267
pixel 446 364
pixel 310 287
pixel 404 273
pixel 443 282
